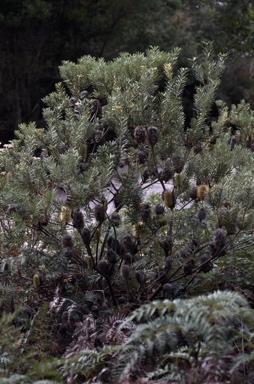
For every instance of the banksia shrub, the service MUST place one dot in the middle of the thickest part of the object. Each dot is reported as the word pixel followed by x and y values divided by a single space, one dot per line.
pixel 120 199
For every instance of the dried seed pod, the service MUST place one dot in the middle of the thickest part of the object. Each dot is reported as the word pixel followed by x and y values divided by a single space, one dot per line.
pixel 104 267
pixel 115 219
pixel 168 263
pixel 99 212
pixel 152 135
pixel 201 215
pixel 219 238
pixel 169 198
pixel 67 241
pixel 116 245
pixel 145 175
pixel 128 258
pixel 78 219
pixel 140 277
pixel 159 209
pixel 145 212
pixel 197 148
pixel 112 256
pixel 82 167
pixel 139 134
pixel 128 242
pixel 65 214
pixel 36 280
pixel 193 193
pixel 125 271
pixel 202 191
pixel 86 235
pixel 188 266
pixel 141 157
pixel 208 266
pixel 166 174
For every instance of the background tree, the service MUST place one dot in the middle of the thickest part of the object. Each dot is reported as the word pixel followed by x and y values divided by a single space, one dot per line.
pixel 37 36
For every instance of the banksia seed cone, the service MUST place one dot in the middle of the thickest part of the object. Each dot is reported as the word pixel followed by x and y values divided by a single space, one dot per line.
pixel 165 174
pixel 178 180
pixel 219 238
pixel 67 241
pixel 104 267
pixel 65 214
pixel 208 266
pixel 128 242
pixel 152 135
pixel 159 209
pixel 99 212
pixel 197 148
pixel 78 219
pixel 188 266
pixel 141 157
pixel 112 256
pixel 202 191
pixel 115 219
pixel 168 263
pixel 201 214
pixel 86 235
pixel 36 280
pixel 145 175
pixel 139 134
pixel 193 193
pixel 168 198
pixel 128 257
pixel 125 271
pixel 140 277
pixel 115 245
pixel 145 212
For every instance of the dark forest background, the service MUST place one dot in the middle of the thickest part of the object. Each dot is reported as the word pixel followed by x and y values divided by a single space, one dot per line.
pixel 37 35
